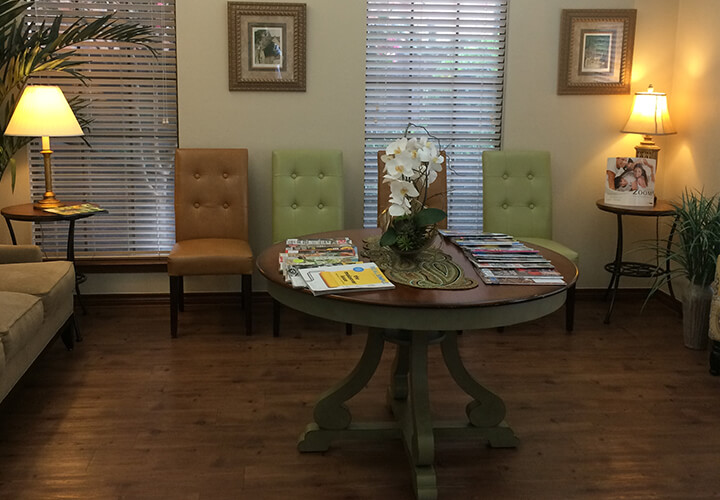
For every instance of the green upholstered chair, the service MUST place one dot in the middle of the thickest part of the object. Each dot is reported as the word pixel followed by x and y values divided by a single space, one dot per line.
pixel 307 197
pixel 517 200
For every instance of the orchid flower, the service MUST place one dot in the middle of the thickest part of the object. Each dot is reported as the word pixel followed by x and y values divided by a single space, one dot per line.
pixel 397 147
pixel 402 165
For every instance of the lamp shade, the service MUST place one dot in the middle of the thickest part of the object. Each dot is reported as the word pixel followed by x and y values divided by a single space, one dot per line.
pixel 649 115
pixel 43 111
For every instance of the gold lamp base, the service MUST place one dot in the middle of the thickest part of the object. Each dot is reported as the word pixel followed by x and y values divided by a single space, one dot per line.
pixel 48 201
pixel 647 148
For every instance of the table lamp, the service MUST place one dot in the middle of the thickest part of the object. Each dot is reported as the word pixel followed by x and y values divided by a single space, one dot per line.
pixel 43 111
pixel 649 117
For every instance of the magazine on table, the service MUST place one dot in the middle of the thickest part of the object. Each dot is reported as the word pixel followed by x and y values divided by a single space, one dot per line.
pixel 316 252
pixel 521 272
pixel 514 249
pixel 521 281
pixel 361 276
pixel 544 264
pixel 81 208
pixel 630 181
pixel 292 269
pixel 499 259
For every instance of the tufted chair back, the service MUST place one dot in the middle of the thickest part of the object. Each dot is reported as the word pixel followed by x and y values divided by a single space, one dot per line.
pixel 437 194
pixel 517 200
pixel 211 223
pixel 307 192
pixel 211 198
pixel 517 193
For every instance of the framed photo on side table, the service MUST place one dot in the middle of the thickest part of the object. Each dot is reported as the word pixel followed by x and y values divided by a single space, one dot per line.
pixel 266 46
pixel 596 50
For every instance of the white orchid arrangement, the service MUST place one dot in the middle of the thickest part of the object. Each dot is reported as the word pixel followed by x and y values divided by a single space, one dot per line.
pixel 411 165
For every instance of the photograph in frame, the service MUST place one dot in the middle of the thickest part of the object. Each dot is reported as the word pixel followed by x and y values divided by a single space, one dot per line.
pixel 266 46
pixel 596 49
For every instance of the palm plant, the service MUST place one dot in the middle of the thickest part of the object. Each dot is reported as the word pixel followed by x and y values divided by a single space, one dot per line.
pixel 28 48
pixel 696 248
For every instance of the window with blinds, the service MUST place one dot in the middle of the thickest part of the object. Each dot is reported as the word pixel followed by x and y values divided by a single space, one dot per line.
pixel 438 64
pixel 127 165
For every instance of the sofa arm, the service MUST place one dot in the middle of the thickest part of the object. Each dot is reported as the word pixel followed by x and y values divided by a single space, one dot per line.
pixel 10 254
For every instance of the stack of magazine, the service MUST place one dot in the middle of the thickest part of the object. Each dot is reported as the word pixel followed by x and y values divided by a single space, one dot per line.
pixel 329 265
pixel 502 260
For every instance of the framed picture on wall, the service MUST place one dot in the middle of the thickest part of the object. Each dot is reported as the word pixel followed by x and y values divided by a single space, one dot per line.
pixel 266 46
pixel 596 49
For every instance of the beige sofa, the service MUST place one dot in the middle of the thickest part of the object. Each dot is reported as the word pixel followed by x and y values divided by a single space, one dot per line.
pixel 36 303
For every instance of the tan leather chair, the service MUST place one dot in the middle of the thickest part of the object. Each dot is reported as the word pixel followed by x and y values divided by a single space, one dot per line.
pixel 437 192
pixel 211 223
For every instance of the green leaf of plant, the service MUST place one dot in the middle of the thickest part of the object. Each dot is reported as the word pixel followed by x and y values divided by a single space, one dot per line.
pixel 389 237
pixel 429 216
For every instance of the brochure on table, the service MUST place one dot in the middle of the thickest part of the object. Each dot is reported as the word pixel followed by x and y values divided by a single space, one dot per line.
pixel 630 181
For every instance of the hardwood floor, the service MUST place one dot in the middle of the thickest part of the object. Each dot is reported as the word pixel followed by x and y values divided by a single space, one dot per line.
pixel 619 411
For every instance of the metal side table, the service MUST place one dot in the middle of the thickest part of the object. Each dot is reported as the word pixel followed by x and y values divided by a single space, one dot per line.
pixel 619 267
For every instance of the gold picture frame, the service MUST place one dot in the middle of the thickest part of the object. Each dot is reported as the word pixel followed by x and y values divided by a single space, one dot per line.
pixel 266 46
pixel 596 51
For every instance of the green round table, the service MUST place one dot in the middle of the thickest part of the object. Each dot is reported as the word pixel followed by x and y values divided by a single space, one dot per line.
pixel 414 319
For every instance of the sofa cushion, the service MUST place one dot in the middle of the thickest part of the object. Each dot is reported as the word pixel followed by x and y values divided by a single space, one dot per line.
pixel 51 281
pixel 21 316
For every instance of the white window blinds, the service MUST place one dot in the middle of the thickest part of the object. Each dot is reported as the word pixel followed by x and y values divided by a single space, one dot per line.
pixel 128 166
pixel 438 64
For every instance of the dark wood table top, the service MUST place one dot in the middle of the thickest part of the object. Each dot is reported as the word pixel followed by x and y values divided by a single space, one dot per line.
pixel 661 208
pixel 28 213
pixel 405 296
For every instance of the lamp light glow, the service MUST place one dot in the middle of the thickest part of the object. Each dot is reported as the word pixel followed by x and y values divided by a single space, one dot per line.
pixel 649 117
pixel 43 111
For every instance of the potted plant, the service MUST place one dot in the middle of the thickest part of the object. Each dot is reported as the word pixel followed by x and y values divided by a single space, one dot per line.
pixel 694 252
pixel 28 48
pixel 411 165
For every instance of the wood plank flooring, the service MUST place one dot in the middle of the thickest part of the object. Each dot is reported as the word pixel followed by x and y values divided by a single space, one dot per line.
pixel 609 412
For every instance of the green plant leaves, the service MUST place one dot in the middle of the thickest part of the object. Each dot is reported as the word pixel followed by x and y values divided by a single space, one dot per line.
pixel 695 245
pixel 389 237
pixel 429 216
pixel 27 48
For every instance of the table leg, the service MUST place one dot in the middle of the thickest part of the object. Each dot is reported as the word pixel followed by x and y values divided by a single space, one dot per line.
pixel 12 233
pixel 617 265
pixel 331 414
pixel 70 255
pixel 486 412
pixel 413 415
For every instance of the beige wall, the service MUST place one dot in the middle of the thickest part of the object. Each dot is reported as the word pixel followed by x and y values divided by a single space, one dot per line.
pixel 582 131
pixel 675 49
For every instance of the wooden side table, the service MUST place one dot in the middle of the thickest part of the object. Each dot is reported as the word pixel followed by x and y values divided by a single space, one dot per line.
pixel 619 267
pixel 28 213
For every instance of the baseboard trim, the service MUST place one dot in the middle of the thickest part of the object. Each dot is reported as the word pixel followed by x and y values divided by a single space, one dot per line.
pixel 262 296
pixel 125 299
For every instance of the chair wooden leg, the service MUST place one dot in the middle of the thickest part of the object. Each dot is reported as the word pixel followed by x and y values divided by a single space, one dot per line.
pixel 570 309
pixel 276 310
pixel 247 301
pixel 348 328
pixel 181 294
pixel 175 292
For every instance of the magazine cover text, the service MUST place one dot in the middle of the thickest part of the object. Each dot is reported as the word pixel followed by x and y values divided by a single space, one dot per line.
pixel 630 181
